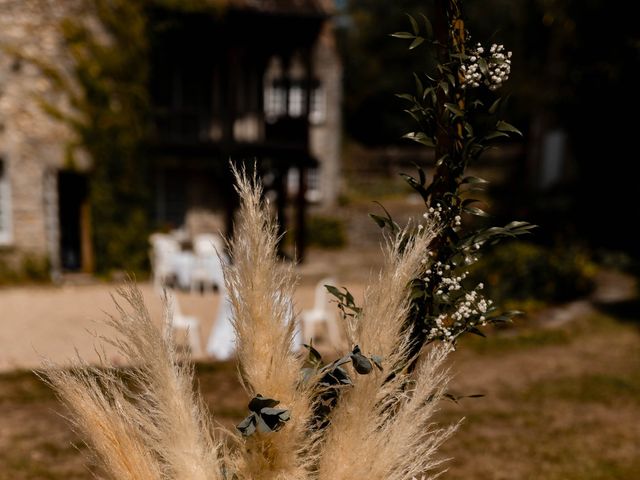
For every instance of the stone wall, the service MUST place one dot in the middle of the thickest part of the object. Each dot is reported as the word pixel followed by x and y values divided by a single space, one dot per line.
pixel 31 142
pixel 325 137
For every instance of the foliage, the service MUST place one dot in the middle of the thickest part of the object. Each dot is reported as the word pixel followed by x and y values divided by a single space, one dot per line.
pixel 106 87
pixel 456 113
pixel 32 268
pixel 325 232
pixel 523 271
pixel 555 47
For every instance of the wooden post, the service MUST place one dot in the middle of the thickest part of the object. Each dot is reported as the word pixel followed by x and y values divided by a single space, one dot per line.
pixel 86 243
pixel 301 213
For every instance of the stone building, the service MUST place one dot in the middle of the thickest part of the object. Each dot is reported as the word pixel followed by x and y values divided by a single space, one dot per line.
pixel 260 81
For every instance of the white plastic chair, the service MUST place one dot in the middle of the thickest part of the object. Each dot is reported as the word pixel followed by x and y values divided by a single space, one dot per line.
pixel 207 270
pixel 207 244
pixel 321 314
pixel 163 250
pixel 188 323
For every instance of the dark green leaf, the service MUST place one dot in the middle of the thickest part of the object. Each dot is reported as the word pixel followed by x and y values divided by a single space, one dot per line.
pixel 334 291
pixel 427 26
pixel 404 35
pixel 416 42
pixel 507 127
pixel 494 106
pixel 420 137
pixel 421 175
pixel 454 109
pixel 495 134
pixel 482 63
pixel 406 96
pixel 259 402
pixel 419 86
pixel 262 425
pixel 248 425
pixel 474 180
pixel 314 355
pixel 475 331
pixel 414 24
pixel 475 211
pixel 377 361
pixel 280 412
pixel 379 220
pixel 361 364
pixel 445 87
pixel 413 115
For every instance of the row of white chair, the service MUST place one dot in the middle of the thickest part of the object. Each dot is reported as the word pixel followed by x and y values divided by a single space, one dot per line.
pixel 200 269
pixel 221 340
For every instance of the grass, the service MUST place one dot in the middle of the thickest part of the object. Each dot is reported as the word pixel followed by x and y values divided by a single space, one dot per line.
pixel 558 405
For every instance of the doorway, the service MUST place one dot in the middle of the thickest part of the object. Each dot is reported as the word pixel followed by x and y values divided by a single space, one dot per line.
pixel 76 252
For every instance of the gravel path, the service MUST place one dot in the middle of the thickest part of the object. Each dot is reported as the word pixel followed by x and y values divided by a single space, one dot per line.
pixel 39 322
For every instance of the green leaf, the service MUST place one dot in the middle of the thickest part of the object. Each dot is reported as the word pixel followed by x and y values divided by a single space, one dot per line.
pixel 248 425
pixel 416 42
pixel 334 291
pixel 414 24
pixel 476 331
pixel 361 364
pixel 406 96
pixel 474 180
pixel 259 402
pixel 404 35
pixel 507 127
pixel 417 186
pixel 494 106
pixel 451 78
pixel 442 159
pixel 314 356
pixel 445 87
pixel 475 211
pixel 262 425
pixel 427 26
pixel 419 86
pixel 484 68
pixel 454 109
pixel 422 176
pixel 420 137
pixel 377 361
pixel 495 134
pixel 383 222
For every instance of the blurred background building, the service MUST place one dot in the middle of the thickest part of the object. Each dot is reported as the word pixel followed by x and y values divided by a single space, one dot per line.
pixel 238 80
pixel 263 80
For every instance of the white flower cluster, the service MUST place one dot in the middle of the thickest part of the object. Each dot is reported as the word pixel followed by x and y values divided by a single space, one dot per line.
pixel 498 63
pixel 469 309
pixel 439 213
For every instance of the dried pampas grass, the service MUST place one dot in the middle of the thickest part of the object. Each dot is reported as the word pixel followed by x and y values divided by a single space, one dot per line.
pixel 146 422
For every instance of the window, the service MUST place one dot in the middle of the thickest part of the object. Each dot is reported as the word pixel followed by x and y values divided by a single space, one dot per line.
pixel 274 91
pixel 314 192
pixel 296 101
pixel 5 204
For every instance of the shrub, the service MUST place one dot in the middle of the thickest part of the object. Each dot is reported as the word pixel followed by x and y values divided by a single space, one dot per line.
pixel 524 271
pixel 326 232
pixel 32 269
